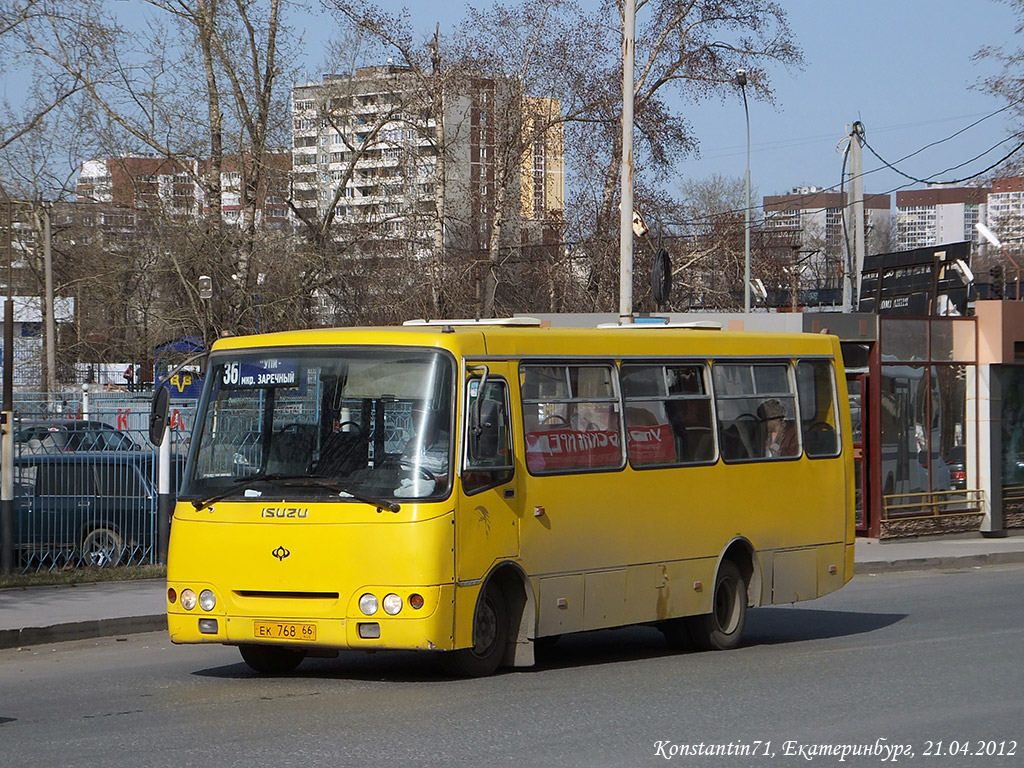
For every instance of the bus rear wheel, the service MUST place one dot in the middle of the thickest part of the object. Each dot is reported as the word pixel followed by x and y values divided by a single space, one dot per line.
pixel 722 629
pixel 270 660
pixel 490 636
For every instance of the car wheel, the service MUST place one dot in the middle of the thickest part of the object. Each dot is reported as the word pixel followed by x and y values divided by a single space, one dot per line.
pixel 102 547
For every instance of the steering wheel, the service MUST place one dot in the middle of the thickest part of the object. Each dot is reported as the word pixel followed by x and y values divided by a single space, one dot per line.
pixel 356 428
pixel 555 418
pixel 412 466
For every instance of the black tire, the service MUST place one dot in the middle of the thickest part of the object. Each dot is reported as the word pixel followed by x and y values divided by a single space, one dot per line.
pixel 102 547
pixel 490 637
pixel 271 660
pixel 722 629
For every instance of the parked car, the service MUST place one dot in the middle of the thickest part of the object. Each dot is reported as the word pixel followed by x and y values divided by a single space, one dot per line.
pixel 62 435
pixel 956 460
pixel 92 508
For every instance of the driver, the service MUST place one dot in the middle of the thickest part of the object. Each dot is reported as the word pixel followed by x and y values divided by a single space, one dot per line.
pixel 426 451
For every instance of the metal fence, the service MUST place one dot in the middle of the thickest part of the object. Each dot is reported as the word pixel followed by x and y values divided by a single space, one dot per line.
pixel 86 479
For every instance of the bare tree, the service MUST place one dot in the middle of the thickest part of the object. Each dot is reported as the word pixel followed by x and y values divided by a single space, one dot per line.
pixel 1008 83
pixel 427 85
pixel 686 52
pixel 518 51
pixel 47 91
pixel 144 93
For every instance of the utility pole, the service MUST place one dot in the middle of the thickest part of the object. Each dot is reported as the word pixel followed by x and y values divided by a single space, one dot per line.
pixel 7 417
pixel 626 209
pixel 48 316
pixel 741 81
pixel 855 220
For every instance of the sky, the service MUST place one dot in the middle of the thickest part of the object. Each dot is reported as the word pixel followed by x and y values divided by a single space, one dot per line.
pixel 903 68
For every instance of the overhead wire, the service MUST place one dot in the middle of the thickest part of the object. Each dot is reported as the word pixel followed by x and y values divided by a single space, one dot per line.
pixel 892 166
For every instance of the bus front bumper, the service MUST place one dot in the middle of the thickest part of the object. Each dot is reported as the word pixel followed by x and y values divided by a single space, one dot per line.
pixel 410 630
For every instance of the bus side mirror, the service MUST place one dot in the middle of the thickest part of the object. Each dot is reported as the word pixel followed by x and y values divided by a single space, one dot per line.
pixel 158 415
pixel 485 431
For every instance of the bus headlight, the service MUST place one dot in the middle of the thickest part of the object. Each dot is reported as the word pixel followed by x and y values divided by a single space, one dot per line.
pixel 207 600
pixel 367 604
pixel 392 604
pixel 188 599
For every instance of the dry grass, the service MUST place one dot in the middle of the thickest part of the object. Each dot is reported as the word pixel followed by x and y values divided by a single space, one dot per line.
pixel 83 576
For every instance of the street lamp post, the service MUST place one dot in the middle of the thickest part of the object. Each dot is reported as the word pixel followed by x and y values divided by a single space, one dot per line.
pixel 741 81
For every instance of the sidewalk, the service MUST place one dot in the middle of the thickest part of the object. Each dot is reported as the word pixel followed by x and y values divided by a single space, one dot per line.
pixel 41 615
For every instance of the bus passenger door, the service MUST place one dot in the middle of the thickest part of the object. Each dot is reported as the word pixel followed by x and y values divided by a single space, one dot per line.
pixel 487 513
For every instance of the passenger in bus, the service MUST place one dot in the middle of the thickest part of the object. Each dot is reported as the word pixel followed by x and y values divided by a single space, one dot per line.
pixel 779 434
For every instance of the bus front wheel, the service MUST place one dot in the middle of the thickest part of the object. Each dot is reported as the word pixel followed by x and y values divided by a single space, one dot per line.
pixel 722 628
pixel 271 660
pixel 490 636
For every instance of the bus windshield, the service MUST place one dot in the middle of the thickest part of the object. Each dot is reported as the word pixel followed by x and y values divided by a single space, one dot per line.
pixel 342 424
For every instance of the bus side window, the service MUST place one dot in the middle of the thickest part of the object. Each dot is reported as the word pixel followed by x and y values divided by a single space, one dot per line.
pixel 749 398
pixel 571 418
pixel 816 390
pixel 668 415
pixel 489 460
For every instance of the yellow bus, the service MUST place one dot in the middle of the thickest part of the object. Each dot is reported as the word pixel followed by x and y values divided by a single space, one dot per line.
pixel 470 487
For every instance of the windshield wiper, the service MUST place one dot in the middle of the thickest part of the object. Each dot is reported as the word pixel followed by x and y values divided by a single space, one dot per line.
pixel 295 481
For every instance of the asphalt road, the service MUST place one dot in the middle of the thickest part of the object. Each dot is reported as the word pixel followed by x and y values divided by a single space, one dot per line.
pixel 900 663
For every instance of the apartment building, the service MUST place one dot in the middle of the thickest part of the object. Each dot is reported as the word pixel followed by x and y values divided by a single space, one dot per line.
pixel 1005 214
pixel 938 214
pixel 145 182
pixel 812 219
pixel 543 170
pixel 367 147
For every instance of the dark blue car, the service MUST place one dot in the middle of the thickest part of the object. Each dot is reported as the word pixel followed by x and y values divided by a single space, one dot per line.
pixel 91 508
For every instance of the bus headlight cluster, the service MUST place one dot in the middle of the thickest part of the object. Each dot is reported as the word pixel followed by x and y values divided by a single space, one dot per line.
pixel 392 603
pixel 188 599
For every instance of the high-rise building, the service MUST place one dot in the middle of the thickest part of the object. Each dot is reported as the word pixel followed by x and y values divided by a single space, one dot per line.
pixel 813 219
pixel 1005 215
pixel 367 147
pixel 543 168
pixel 938 214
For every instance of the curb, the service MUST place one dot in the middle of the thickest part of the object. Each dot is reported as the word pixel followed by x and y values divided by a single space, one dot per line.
pixel 925 563
pixel 129 625
pixel 82 630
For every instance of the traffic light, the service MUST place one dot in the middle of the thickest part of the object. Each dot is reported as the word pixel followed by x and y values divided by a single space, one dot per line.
pixel 998 281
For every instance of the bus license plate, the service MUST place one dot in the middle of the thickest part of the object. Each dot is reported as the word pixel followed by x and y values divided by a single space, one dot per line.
pixel 284 630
